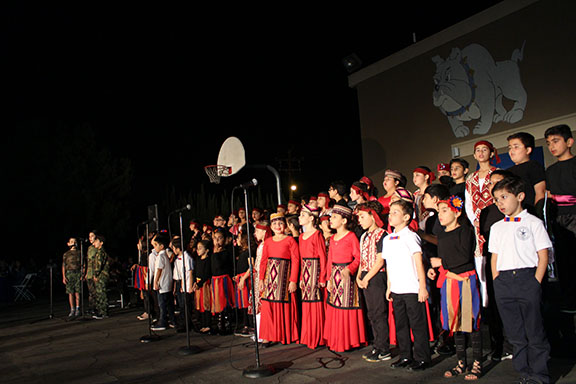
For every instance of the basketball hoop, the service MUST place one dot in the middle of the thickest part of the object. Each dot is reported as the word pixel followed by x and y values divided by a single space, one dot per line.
pixel 215 172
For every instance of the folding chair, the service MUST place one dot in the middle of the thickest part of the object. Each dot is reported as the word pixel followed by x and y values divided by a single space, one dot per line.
pixel 23 289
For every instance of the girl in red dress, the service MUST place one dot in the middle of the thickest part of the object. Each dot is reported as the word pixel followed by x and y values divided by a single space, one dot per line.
pixel 278 282
pixel 312 278
pixel 344 328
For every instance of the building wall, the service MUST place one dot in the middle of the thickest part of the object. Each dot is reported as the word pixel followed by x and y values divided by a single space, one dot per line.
pixel 402 128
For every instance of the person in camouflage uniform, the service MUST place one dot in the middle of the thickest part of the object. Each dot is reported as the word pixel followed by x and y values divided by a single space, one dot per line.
pixel 71 275
pixel 90 257
pixel 100 277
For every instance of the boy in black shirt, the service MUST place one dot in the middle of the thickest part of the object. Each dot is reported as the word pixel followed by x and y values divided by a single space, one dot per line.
pixel 520 146
pixel 561 182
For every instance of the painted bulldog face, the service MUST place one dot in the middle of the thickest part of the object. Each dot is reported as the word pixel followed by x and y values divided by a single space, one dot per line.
pixel 451 83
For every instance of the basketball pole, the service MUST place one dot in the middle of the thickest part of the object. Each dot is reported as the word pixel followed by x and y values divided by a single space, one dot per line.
pixel 257 371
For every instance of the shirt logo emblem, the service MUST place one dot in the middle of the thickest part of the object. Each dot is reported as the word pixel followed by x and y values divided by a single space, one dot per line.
pixel 523 233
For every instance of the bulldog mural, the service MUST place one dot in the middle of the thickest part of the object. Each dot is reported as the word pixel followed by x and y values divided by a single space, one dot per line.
pixel 470 85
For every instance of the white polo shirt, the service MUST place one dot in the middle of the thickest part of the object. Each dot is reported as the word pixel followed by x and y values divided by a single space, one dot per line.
pixel 152 264
pixel 178 267
pixel 162 262
pixel 517 242
pixel 398 250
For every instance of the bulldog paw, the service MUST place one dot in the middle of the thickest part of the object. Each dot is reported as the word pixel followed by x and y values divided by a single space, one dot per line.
pixel 514 116
pixel 461 131
pixel 481 128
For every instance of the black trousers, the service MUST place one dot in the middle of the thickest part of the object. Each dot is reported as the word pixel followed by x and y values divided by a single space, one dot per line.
pixel 377 310
pixel 410 314
pixel 564 229
pixel 518 295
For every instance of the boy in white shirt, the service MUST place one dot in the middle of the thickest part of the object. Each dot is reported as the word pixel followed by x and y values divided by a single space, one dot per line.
pixel 182 261
pixel 519 245
pixel 163 283
pixel 407 288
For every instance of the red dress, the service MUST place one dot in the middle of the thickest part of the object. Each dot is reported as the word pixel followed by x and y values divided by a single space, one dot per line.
pixel 279 309
pixel 312 273
pixel 344 327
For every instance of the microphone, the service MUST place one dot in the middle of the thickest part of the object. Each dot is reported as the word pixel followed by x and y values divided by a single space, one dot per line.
pixel 248 184
pixel 187 207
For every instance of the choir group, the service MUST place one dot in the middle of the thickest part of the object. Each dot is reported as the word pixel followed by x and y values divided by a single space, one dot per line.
pixel 349 267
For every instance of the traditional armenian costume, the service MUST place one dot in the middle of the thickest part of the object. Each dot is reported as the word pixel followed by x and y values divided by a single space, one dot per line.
pixel 460 299
pixel 477 198
pixel 312 274
pixel 344 328
pixel 278 268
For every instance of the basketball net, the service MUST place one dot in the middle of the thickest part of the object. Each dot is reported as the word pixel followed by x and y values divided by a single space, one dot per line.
pixel 215 172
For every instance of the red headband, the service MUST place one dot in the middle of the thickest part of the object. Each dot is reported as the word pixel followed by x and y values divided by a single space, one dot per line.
pixel 491 148
pixel 313 198
pixel 443 167
pixel 374 214
pixel 265 228
pixel 431 175
pixel 359 191
pixel 455 203
pixel 366 180
pixel 294 202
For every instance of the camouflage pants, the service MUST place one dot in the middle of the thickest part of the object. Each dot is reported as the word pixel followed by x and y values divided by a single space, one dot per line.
pixel 91 293
pixel 101 297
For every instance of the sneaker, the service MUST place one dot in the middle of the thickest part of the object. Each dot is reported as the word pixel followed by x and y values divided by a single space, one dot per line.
pixel 157 328
pixel 507 356
pixel 143 316
pixel 99 316
pixel 72 313
pixel 377 355
pixel 77 312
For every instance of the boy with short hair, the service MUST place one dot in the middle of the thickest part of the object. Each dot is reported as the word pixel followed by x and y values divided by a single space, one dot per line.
pixel 406 288
pixel 561 183
pixel 519 245
pixel 459 169
pixel 520 146
pixel 429 235
pixel 71 276
pixel 100 277
pixel 501 348
pixel 163 283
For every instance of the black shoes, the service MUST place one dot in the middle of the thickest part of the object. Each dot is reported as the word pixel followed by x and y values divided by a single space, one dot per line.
pixel 411 365
pixel 401 363
pixel 418 366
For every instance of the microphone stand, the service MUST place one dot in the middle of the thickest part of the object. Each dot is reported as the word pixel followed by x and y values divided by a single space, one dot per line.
pixel 257 371
pixel 81 275
pixel 150 337
pixel 83 268
pixel 188 349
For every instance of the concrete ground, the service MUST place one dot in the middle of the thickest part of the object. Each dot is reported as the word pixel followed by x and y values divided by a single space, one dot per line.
pixel 35 348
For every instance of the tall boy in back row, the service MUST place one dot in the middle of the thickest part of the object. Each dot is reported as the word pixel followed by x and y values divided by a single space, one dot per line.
pixel 520 146
pixel 519 245
pixel 561 183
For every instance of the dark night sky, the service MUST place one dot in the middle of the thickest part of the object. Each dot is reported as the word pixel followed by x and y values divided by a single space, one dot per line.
pixel 166 85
